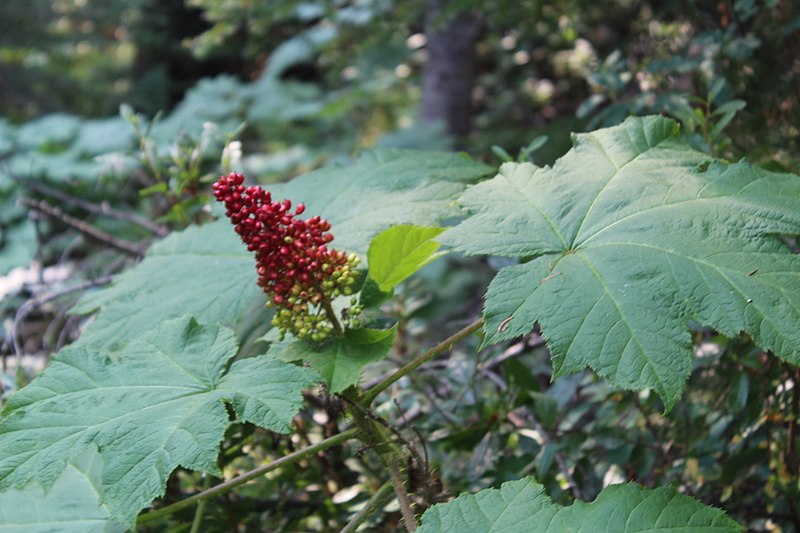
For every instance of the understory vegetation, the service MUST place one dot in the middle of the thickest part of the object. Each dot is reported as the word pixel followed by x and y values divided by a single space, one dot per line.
pixel 254 279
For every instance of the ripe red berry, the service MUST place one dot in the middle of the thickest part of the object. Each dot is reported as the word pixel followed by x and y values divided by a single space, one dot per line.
pixel 295 267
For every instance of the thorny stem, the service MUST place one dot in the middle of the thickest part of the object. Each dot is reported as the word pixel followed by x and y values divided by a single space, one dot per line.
pixel 231 484
pixel 374 503
pixel 402 496
pixel 388 451
pixel 445 345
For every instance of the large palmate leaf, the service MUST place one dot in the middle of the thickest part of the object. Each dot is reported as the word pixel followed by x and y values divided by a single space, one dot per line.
pixel 523 505
pixel 207 272
pixel 155 406
pixel 71 505
pixel 628 237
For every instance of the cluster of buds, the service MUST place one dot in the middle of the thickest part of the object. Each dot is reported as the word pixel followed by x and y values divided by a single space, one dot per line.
pixel 296 268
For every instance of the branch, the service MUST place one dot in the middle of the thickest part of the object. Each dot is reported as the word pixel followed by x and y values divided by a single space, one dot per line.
pixel 443 346
pixel 99 209
pixel 87 229
pixel 241 479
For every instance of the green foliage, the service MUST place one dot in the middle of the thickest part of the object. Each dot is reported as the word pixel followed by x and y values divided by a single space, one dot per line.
pixel 147 410
pixel 203 271
pixel 206 272
pixel 308 82
pixel 628 237
pixel 384 188
pixel 18 243
pixel 399 252
pixel 70 505
pixel 340 361
pixel 524 506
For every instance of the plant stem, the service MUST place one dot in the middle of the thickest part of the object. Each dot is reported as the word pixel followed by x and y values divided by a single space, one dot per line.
pixel 201 508
pixel 372 505
pixel 241 479
pixel 402 496
pixel 326 304
pixel 445 345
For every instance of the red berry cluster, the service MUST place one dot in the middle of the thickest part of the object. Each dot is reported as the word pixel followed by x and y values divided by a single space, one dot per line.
pixel 295 267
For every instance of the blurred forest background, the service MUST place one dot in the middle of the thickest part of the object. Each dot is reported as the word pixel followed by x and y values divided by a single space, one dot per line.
pixel 116 115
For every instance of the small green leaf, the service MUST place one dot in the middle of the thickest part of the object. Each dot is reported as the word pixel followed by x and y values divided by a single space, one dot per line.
pixel 523 506
pixel 399 252
pixel 340 361
pixel 535 144
pixel 71 505
pixel 546 457
pixel 732 106
pixel 156 405
pixel 716 88
pixel 501 154
pixel 158 188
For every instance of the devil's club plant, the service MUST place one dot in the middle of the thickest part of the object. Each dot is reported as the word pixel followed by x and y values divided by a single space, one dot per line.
pixel 624 241
pixel 295 267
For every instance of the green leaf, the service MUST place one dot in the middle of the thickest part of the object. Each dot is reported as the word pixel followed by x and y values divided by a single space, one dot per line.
pixel 159 188
pixel 71 505
pixel 203 271
pixel 54 128
pixel 155 406
pixel 384 188
pixel 399 252
pixel 629 236
pixel 208 273
pixel 18 246
pixel 340 361
pixel 523 506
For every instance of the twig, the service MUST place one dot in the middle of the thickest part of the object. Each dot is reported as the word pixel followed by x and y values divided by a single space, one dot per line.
pixel 241 479
pixel 99 209
pixel 87 229
pixel 374 503
pixel 443 346
pixel 521 347
pixel 402 497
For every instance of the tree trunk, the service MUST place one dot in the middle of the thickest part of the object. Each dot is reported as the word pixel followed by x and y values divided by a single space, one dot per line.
pixel 449 72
